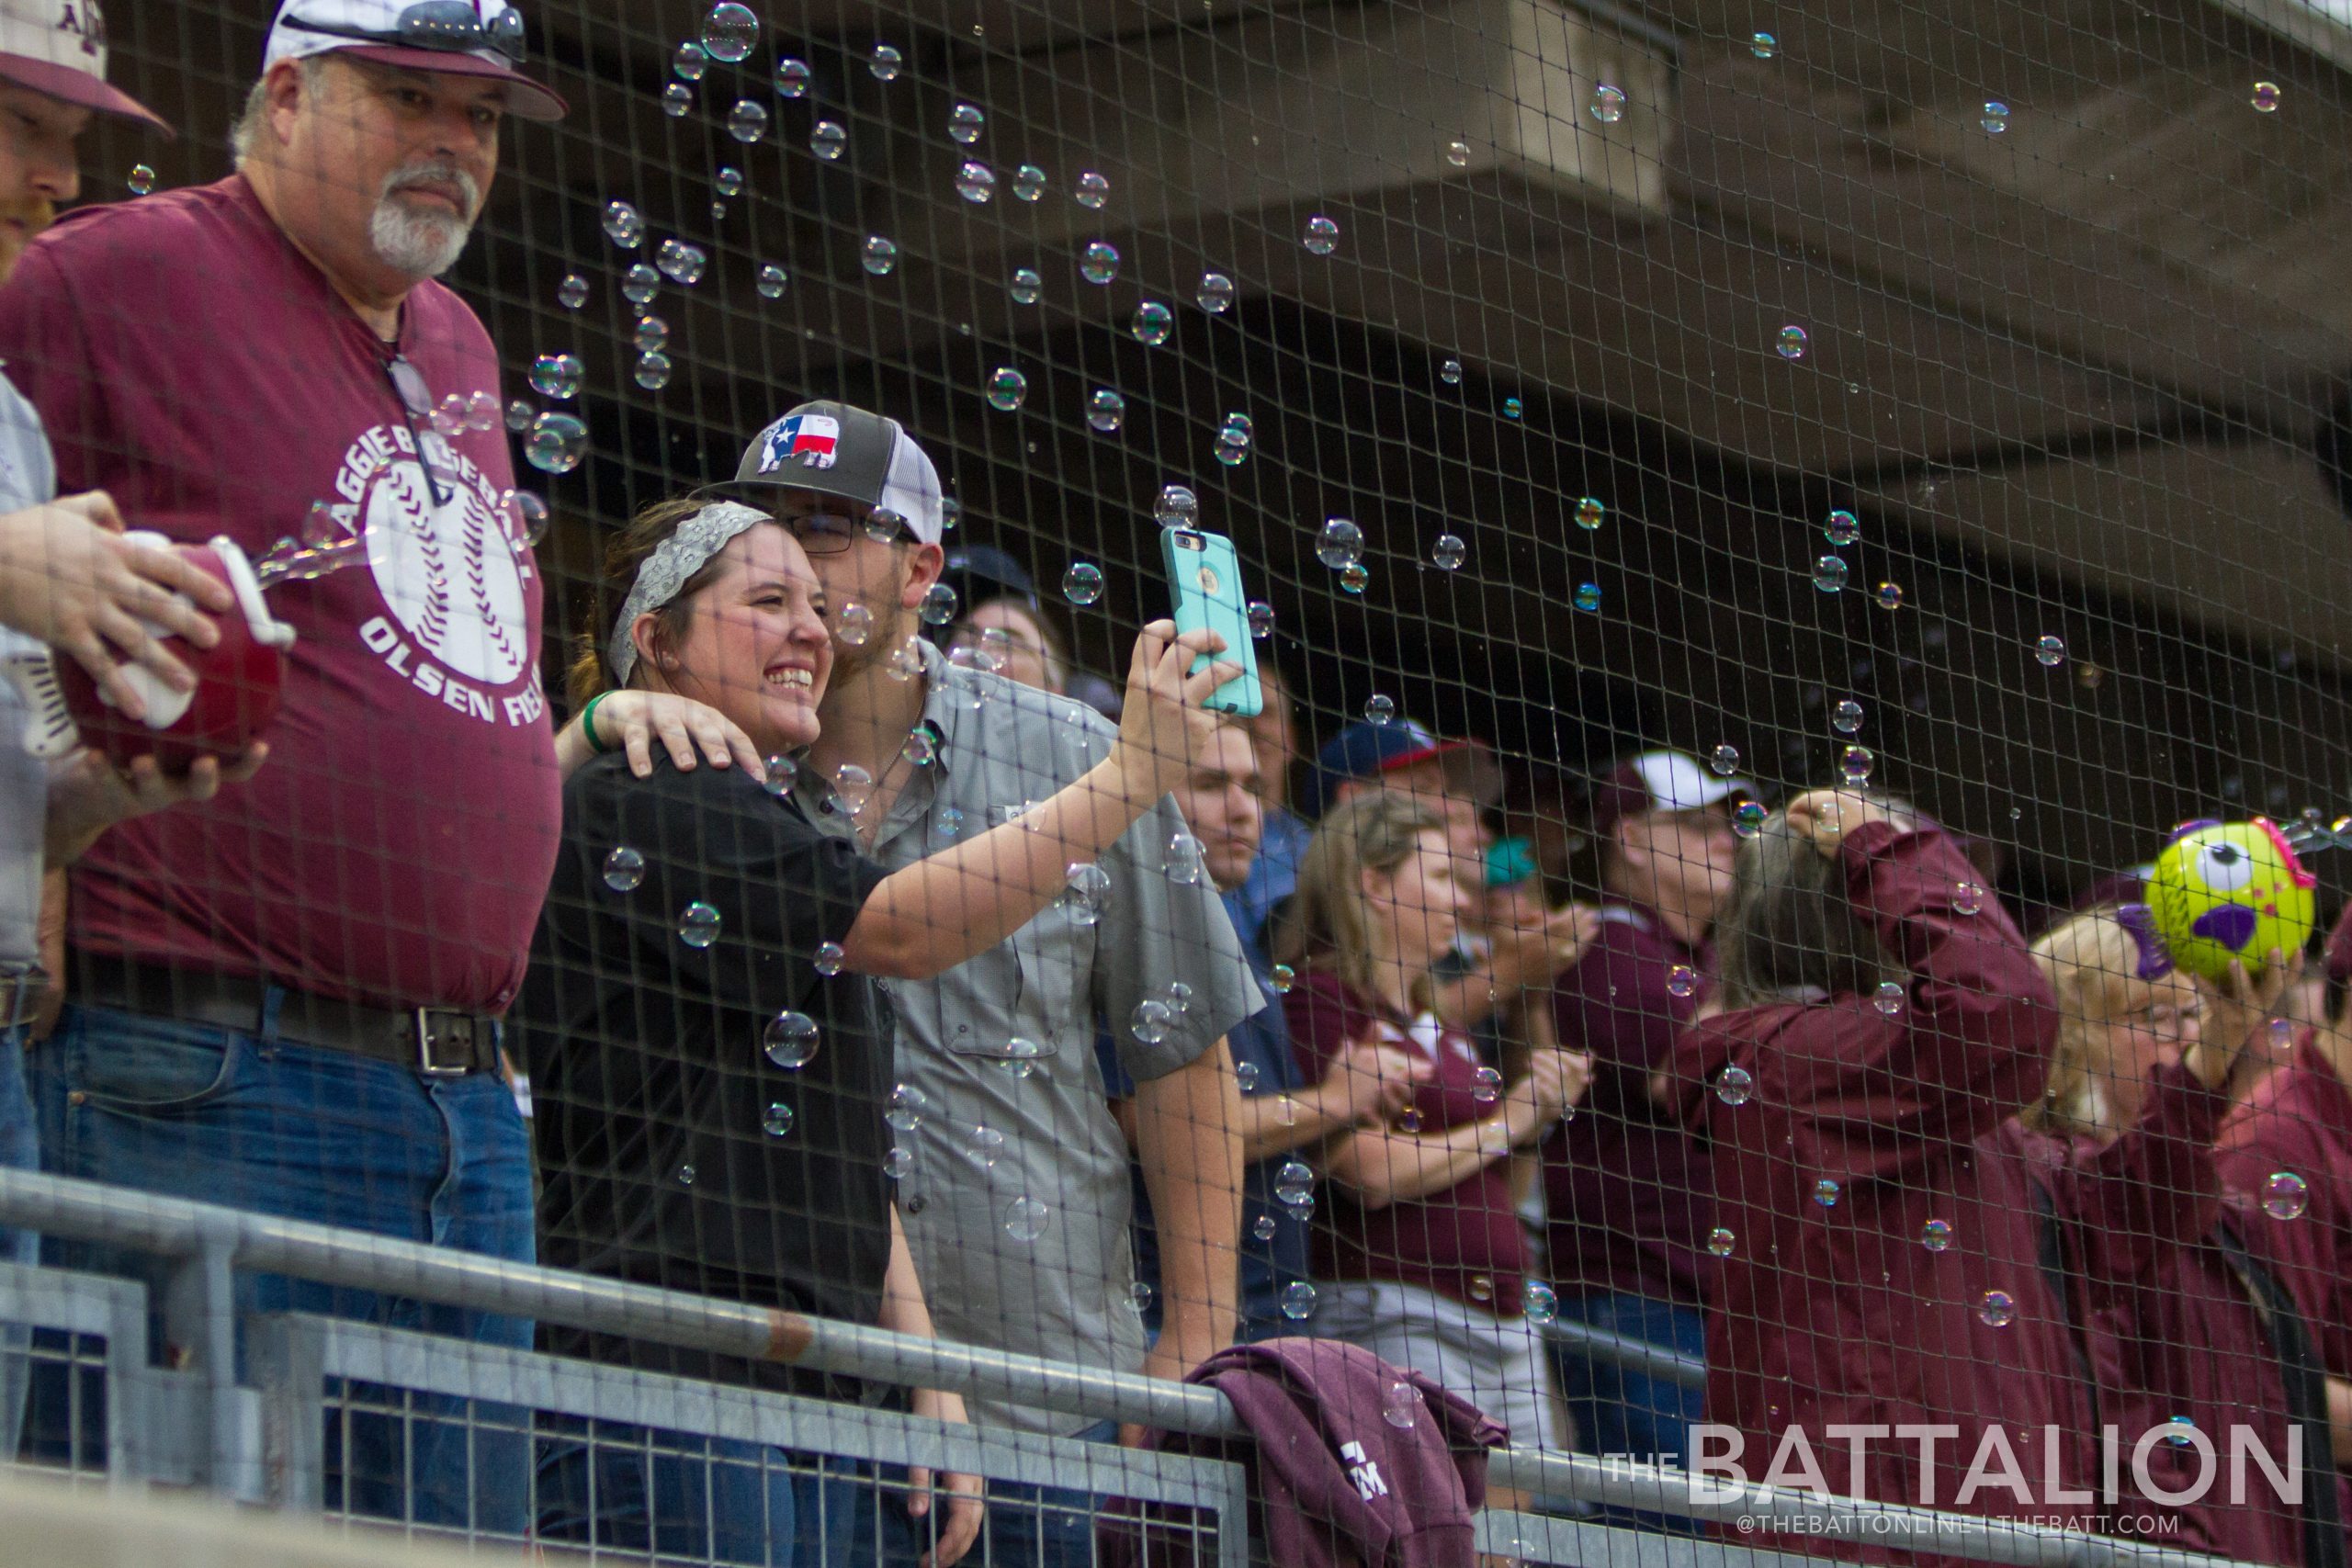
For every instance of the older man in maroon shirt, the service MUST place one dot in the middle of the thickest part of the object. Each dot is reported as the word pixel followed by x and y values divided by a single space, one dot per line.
pixel 1625 1186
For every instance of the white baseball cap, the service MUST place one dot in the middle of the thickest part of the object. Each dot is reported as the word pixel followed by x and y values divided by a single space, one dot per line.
pixel 1658 780
pixel 458 38
pixel 61 52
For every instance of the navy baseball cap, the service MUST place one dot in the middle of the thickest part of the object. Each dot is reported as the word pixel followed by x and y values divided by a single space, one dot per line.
pixel 981 572
pixel 1366 751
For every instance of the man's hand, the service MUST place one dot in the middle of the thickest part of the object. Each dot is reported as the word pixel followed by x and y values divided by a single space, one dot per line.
pixel 631 721
pixel 89 794
pixel 69 578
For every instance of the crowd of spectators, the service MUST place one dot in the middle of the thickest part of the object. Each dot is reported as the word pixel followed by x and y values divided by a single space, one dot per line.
pixel 825 964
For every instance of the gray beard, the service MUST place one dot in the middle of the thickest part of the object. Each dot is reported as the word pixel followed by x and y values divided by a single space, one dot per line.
pixel 415 244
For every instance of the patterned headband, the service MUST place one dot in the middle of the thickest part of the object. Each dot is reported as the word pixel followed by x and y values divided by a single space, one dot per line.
pixel 674 563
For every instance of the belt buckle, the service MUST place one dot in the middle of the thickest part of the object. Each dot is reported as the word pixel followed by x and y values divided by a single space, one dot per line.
pixel 425 1062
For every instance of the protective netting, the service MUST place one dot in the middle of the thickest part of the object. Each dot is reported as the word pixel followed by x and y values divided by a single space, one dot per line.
pixel 1753 525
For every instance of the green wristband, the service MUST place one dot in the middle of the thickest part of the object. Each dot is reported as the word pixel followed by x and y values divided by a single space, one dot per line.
pixel 588 723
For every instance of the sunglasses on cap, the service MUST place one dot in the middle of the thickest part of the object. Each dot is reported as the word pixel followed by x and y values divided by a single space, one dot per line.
pixel 453 26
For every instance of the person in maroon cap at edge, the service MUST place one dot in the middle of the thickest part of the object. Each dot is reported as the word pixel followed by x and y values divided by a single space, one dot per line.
pixel 1878 1253
pixel 1626 1186
pixel 2285 1155
pixel 289 998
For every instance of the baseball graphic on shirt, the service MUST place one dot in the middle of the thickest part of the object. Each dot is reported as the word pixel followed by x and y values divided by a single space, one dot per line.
pixel 448 572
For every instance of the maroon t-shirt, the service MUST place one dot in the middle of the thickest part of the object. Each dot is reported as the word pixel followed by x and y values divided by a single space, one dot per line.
pixel 2297 1121
pixel 187 358
pixel 1625 1183
pixel 1465 1242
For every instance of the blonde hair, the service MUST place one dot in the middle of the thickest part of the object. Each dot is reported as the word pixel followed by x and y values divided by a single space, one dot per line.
pixel 1329 929
pixel 2093 964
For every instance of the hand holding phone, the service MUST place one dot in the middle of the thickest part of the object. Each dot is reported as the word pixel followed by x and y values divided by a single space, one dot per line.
pixel 1205 573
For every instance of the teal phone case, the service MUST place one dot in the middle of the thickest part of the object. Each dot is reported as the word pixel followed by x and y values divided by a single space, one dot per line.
pixel 1206 583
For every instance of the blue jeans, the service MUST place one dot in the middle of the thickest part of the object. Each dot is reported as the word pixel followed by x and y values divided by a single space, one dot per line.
pixel 20 1150
pixel 258 1124
pixel 1619 1410
pixel 680 1496
pixel 1028 1526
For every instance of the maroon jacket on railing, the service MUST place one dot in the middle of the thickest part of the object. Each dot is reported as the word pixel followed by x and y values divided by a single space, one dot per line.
pixel 1355 1463
pixel 1913 1294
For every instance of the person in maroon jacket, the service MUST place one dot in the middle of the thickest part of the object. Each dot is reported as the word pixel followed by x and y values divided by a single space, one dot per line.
pixel 1424 1257
pixel 1881 1319
pixel 2138 1087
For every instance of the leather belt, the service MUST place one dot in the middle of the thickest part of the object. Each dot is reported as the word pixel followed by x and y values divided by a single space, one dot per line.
pixel 20 994
pixel 436 1042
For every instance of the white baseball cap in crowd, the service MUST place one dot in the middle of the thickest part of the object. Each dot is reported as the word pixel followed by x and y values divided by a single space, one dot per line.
pixel 61 52
pixel 1658 780
pixel 458 38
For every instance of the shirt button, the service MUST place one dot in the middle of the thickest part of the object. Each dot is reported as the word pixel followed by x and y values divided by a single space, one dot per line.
pixel 913 1205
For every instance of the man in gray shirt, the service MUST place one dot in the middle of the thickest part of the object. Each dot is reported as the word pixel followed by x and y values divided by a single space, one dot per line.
pixel 1011 1171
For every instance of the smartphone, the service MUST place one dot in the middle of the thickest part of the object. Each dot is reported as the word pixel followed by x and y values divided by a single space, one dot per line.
pixel 1205 574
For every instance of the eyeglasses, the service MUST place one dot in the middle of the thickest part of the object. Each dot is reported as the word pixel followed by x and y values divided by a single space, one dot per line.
pixel 830 533
pixel 452 26
pixel 416 402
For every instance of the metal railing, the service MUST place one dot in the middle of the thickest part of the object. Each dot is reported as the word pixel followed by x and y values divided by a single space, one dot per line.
pixel 261 1440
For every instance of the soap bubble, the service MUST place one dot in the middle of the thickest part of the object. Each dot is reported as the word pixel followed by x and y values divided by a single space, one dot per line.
pixel 1092 191
pixel 1215 294
pixel 921 750
pixel 1380 710
pixel 557 376
pixel 685 1175
pixel 1513 407
pixel 1340 544
pixel 975 181
pixel 1763 46
pixel 679 261
pixel 1487 1086
pixel 1105 409
pixel 1792 342
pixel 2265 100
pixel 1967 899
pixel 142 181
pixel 1401 1405
pixel 1183 864
pixel 1029 181
pixel 1140 1293
pixel 1457 152
pixel 853 787
pixel 622 226
pixel 1888 1000
pixel 1177 507
pixel 964 123
pixel 1846 717
pixel 2049 652
pixel 1540 1301
pixel 1026 1219
pixel 1261 619
pixel 1996 116
pixel 793 77
pixel 2285 1195
pixel 1322 235
pixel 885 62
pixel 1890 596
pixel 1086 892
pixel 854 627
pixel 828 140
pixel 748 121
pixel 1936 1236
pixel 1149 1023
pixel 898 1164
pixel 1725 759
pixel 1720 1242
pixel 519 416
pixel 781 770
pixel 1006 389
pixel 1026 287
pixel 448 416
pixel 1747 818
pixel 623 870
pixel 771 281
pixel 691 60
pixel 651 334
pixel 1263 1228
pixel 1588 597
pixel 1826 1193
pixel 986 1145
pixel 1996 1309
pixel 1830 574
pixel 1734 1086
pixel 676 99
pixel 698 924
pixel 909 1106
pixel 878 255
pixel 1153 323
pixel 1099 262
pixel 1232 448
pixel 529 512
pixel 1450 372
pixel 790 1040
pixel 572 292
pixel 1298 1301
pixel 640 284
pixel 1082 583
pixel 1681 981
pixel 482 412
pixel 730 31
pixel 653 371
pixel 1608 105
pixel 1855 762
pixel 938 605
pixel 1449 552
pixel 828 959
pixel 556 444
pixel 1843 527
pixel 1590 513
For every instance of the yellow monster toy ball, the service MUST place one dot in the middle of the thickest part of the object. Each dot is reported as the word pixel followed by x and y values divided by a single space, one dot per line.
pixel 2224 890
